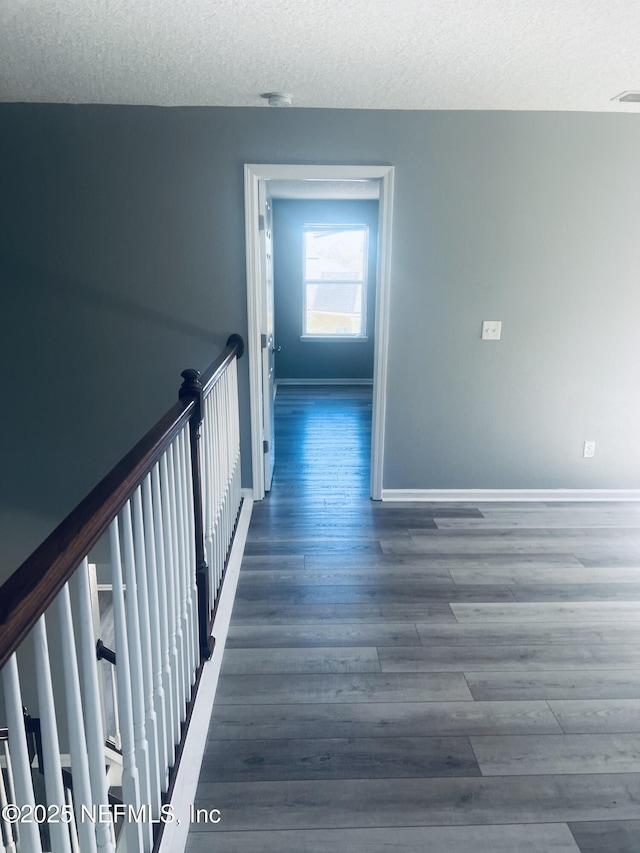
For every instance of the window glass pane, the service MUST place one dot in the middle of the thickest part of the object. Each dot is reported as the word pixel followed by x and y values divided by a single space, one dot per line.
pixel 334 255
pixel 334 309
pixel 335 259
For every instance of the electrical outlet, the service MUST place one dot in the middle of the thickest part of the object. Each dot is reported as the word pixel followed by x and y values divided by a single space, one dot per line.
pixel 491 330
pixel 589 449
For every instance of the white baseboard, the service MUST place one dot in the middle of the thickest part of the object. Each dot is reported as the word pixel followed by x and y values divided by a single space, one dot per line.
pixel 478 495
pixel 174 835
pixel 324 382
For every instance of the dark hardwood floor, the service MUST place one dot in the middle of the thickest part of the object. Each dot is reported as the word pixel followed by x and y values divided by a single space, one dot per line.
pixel 422 677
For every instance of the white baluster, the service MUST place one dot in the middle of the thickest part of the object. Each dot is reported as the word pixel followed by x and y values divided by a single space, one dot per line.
pixel 130 776
pixel 217 479
pixel 233 447
pixel 176 582
pixel 236 408
pixel 181 577
pixel 158 515
pixel 185 592
pixel 75 722
pixel 224 479
pixel 92 699
pixel 116 713
pixel 235 420
pixel 3 849
pixel 222 428
pixel 97 631
pixel 170 561
pixel 205 478
pixel 11 783
pixel 49 730
pixel 136 663
pixel 211 438
pixel 7 828
pixel 227 425
pixel 211 508
pixel 5 831
pixel 154 624
pixel 75 841
pixel 188 566
pixel 227 461
pixel 222 443
pixel 29 836
pixel 190 542
pixel 146 653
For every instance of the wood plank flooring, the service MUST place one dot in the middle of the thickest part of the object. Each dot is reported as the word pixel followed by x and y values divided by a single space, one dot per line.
pixel 446 677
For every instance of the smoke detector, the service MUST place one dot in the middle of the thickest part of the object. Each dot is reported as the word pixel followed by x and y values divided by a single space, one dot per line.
pixel 628 98
pixel 277 99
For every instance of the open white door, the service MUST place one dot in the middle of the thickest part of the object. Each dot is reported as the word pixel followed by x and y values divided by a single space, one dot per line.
pixel 266 336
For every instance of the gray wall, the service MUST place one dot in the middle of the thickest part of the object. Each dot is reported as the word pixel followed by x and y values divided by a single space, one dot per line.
pixel 122 261
pixel 317 359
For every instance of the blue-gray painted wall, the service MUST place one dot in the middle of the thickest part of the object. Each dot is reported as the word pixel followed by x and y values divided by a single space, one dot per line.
pixel 122 261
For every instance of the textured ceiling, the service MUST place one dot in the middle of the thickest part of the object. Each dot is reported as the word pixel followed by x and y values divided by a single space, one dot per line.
pixel 365 54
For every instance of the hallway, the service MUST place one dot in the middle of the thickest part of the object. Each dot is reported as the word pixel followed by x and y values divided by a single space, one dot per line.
pixel 446 677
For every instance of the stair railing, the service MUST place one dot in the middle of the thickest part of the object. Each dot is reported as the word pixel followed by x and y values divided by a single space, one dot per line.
pixel 159 528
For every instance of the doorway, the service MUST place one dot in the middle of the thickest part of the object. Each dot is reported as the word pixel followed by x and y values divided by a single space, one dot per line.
pixel 258 180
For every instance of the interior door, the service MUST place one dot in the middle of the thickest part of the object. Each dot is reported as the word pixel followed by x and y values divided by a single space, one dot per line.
pixel 267 338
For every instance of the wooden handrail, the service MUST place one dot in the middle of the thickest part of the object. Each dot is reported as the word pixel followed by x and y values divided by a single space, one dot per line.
pixel 234 347
pixel 30 590
pixel 25 596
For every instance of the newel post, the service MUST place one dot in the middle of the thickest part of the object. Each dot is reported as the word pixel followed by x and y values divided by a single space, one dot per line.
pixel 192 389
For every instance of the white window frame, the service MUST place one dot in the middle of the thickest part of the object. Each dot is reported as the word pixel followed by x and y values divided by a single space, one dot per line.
pixel 335 226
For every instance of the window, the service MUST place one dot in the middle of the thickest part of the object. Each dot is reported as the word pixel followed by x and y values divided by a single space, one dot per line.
pixel 335 281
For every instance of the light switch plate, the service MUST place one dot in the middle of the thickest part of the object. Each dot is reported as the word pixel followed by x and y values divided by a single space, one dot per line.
pixel 491 330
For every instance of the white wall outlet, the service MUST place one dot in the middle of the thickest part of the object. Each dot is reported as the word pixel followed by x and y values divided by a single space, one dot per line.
pixel 491 330
pixel 589 449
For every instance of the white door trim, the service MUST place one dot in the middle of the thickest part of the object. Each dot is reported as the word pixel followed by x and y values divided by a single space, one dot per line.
pixel 255 172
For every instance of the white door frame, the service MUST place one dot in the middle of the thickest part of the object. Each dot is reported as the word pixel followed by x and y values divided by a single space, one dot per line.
pixel 255 172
